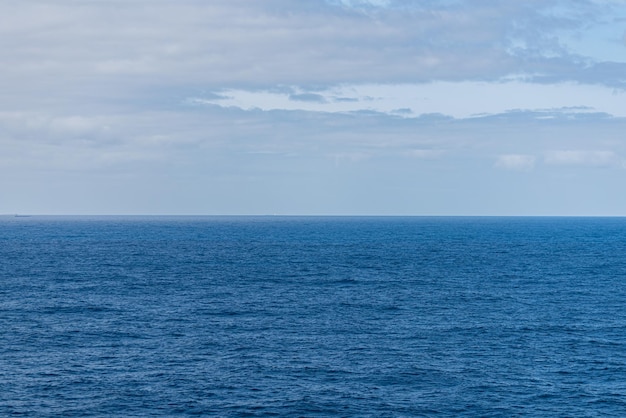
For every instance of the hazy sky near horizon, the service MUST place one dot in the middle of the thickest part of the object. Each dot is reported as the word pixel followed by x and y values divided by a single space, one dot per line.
pixel 387 107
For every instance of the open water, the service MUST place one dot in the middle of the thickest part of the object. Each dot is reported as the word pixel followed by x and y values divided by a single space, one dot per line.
pixel 299 316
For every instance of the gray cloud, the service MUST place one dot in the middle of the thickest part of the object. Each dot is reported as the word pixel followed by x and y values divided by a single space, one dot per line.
pixel 345 99
pixel 227 160
pixel 110 45
pixel 308 97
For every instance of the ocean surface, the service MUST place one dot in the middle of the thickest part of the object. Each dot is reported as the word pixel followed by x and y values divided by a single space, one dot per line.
pixel 312 316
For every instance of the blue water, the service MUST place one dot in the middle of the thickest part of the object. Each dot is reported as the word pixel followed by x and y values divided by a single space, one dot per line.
pixel 290 316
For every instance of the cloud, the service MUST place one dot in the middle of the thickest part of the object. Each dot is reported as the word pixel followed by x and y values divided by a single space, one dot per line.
pixel 228 160
pixel 220 106
pixel 237 43
pixel 584 158
pixel 517 162
pixel 308 97
pixel 345 99
pixel 425 154
pixel 215 96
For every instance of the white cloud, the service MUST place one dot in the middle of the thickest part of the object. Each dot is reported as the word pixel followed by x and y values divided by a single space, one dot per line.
pixel 425 154
pixel 584 158
pixel 517 162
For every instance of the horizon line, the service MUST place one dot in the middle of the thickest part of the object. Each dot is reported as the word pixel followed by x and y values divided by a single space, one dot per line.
pixel 31 215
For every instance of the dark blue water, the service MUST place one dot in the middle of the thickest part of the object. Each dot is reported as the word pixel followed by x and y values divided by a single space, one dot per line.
pixel 312 316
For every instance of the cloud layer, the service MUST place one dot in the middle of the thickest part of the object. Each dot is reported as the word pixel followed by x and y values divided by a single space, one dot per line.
pixel 250 43
pixel 277 106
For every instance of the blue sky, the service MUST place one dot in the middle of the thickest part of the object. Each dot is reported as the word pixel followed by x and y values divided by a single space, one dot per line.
pixel 387 107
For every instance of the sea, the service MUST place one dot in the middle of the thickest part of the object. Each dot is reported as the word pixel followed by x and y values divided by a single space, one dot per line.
pixel 312 316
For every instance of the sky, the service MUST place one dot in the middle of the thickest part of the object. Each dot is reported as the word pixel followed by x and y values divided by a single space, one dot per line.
pixel 313 107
